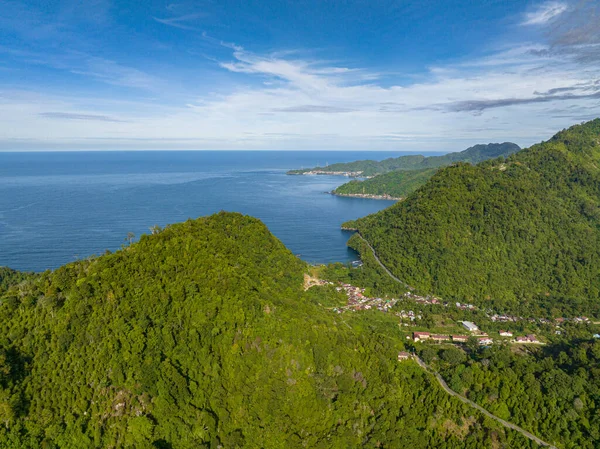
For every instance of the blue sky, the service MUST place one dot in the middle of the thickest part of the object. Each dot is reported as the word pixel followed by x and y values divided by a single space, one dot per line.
pixel 376 74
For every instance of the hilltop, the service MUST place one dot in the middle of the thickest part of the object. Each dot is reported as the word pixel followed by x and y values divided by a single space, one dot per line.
pixel 524 228
pixel 364 168
pixel 203 336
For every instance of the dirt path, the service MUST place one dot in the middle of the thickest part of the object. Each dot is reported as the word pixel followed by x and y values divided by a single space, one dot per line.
pixel 510 425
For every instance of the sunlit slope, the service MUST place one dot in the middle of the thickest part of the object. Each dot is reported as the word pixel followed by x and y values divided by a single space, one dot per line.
pixel 522 228
pixel 203 336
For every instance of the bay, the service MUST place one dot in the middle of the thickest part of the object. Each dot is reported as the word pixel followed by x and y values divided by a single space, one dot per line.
pixel 56 207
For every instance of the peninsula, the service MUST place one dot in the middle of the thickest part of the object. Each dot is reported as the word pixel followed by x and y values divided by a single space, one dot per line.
pixel 395 185
pixel 368 168
pixel 399 183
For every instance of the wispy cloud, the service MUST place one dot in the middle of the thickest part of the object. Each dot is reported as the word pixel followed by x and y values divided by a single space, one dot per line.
pixel 111 72
pixel 99 69
pixel 181 22
pixel 482 105
pixel 76 116
pixel 545 13
pixel 308 75
pixel 313 108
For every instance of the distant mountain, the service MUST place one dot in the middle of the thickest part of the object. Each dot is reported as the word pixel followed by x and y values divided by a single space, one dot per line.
pixel 202 336
pixel 518 229
pixel 472 155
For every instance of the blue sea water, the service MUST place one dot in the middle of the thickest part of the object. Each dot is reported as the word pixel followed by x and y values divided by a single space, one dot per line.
pixel 56 207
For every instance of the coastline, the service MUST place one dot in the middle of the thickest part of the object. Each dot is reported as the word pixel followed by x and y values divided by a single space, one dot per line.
pixel 348 174
pixel 367 196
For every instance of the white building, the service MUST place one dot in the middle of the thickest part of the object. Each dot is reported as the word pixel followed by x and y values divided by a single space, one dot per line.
pixel 471 327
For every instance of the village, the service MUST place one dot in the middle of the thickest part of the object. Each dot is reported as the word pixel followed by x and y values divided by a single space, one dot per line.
pixel 358 300
pixel 482 338
pixel 350 174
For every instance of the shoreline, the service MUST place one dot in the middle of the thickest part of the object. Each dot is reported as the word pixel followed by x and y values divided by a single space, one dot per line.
pixel 347 174
pixel 366 196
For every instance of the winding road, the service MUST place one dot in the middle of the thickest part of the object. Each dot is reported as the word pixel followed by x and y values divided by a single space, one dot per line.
pixel 451 392
pixel 443 383
pixel 381 264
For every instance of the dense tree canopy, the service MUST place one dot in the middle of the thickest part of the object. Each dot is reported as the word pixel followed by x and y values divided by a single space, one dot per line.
pixel 397 184
pixel 203 336
pixel 525 227
pixel 552 391
pixel 10 277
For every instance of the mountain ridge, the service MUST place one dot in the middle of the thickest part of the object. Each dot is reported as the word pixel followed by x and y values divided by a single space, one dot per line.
pixel 472 154
pixel 517 229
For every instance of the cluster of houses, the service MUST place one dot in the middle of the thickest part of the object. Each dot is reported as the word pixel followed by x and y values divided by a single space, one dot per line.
pixel 528 339
pixel 557 321
pixel 351 174
pixel 465 306
pixel 483 339
pixel 504 318
pixel 358 301
pixel 423 299
pixel 409 315
pixel 426 336
pixel 437 301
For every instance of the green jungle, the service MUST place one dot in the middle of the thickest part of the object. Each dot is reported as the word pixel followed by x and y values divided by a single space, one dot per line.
pixel 207 333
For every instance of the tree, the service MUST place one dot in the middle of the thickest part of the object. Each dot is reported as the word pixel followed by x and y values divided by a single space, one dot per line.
pixel 453 356
pixel 473 343
pixel 428 354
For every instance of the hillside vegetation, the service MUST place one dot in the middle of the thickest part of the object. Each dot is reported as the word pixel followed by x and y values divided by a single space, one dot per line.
pixel 523 228
pixel 396 184
pixel 9 277
pixel 203 336
pixel 472 155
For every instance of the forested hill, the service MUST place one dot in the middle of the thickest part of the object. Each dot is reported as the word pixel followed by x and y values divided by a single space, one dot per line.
pixel 473 155
pixel 524 228
pixel 203 336
pixel 396 184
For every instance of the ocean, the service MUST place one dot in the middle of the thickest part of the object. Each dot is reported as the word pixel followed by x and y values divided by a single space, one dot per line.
pixel 57 207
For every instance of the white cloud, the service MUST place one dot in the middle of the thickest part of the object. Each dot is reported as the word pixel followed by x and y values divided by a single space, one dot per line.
pixel 544 13
pixel 286 101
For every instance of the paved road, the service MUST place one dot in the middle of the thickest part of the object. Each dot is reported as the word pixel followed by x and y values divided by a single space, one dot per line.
pixel 510 425
pixel 443 383
pixel 382 265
